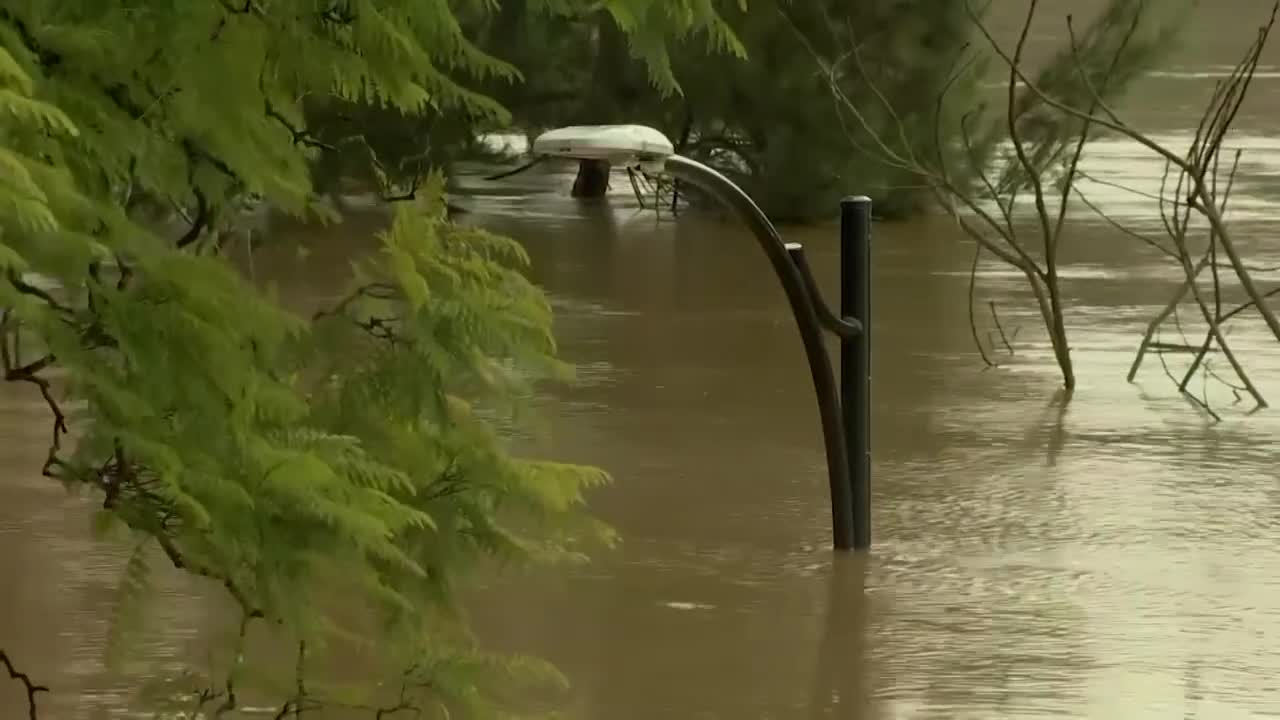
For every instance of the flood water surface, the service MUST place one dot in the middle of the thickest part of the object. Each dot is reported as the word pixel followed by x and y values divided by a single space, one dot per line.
pixel 1110 556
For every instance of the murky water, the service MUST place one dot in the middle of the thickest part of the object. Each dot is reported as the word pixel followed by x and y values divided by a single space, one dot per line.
pixel 1111 557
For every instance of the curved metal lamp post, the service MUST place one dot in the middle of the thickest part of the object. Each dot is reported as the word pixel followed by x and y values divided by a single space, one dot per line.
pixel 650 150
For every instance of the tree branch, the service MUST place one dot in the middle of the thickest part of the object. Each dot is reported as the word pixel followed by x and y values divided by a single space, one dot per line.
pixel 31 688
pixel 377 291
pixel 301 136
pixel 26 288
pixel 15 371
pixel 973 321
pixel 199 222
pixel 230 703
pixel 1015 137
pixel 175 556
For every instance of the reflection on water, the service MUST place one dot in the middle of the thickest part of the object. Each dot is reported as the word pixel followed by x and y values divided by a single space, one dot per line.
pixel 1111 557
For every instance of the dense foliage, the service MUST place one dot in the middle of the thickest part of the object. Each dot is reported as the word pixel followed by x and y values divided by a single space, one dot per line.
pixel 775 119
pixel 766 118
pixel 352 459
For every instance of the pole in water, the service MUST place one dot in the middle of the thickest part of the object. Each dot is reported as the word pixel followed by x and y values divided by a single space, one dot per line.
pixel 855 358
pixel 803 307
pixel 841 490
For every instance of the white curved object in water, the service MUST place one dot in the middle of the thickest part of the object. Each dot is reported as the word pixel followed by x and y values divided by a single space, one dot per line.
pixel 615 143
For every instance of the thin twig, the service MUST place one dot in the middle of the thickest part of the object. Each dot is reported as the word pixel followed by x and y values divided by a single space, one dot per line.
pixel 31 688
pixel 1015 137
pixel 26 288
pixel 1118 186
pixel 1213 266
pixel 1122 228
pixel 231 702
pixel 16 371
pixel 995 317
pixel 973 323
pixel 1247 305
pixel 1153 327
pixel 300 678
pixel 1005 209
pixel 1188 396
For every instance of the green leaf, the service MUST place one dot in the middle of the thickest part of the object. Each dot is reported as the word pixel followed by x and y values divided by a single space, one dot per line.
pixel 43 115
pixel 12 74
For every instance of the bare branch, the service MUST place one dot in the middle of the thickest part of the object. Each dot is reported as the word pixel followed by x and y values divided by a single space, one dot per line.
pixel 16 371
pixel 1081 172
pixel 1246 306
pixel 1015 137
pixel 27 288
pixel 231 702
pixel 1005 209
pixel 300 679
pixel 31 688
pixel 301 136
pixel 1073 168
pixel 973 324
pixel 995 318
pixel 1122 228
pixel 377 291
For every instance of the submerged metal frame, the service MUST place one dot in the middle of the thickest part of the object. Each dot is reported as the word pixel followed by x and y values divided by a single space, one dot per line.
pixel 811 314
pixel 844 410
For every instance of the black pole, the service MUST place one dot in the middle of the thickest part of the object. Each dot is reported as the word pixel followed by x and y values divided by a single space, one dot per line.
pixel 806 316
pixel 855 358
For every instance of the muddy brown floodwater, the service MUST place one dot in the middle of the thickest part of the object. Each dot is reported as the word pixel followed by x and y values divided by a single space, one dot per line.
pixel 1114 557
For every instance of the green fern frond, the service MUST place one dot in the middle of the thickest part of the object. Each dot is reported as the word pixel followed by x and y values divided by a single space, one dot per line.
pixel 12 74
pixel 557 486
pixel 376 476
pixel 35 113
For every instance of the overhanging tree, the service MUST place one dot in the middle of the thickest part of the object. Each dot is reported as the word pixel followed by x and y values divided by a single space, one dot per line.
pixel 749 102
pixel 579 63
pixel 293 460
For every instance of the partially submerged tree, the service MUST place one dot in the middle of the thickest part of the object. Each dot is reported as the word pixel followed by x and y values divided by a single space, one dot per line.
pixel 1025 148
pixel 1035 152
pixel 1197 183
pixel 771 122
pixel 354 457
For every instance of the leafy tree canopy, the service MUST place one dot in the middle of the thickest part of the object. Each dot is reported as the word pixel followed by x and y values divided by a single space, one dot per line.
pixel 295 460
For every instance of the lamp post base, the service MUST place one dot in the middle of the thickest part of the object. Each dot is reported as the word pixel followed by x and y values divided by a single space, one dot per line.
pixel 593 179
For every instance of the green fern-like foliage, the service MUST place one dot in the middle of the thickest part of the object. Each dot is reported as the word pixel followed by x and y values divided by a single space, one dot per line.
pixel 353 459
